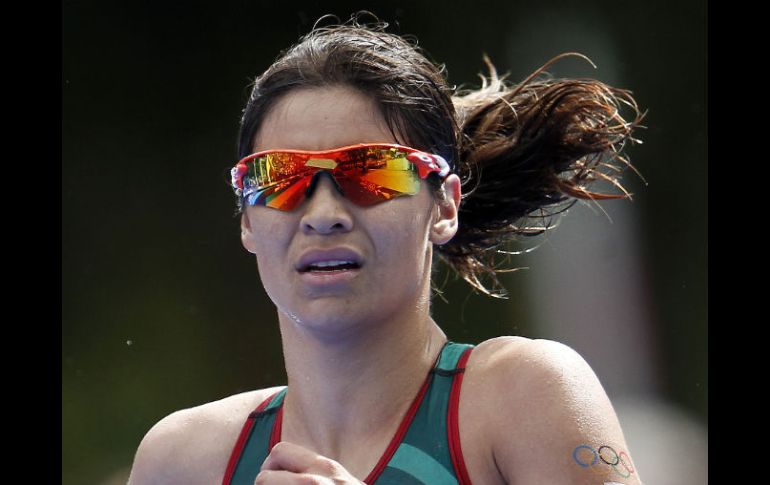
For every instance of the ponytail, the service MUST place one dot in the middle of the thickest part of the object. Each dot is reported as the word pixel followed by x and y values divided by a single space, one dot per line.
pixel 527 153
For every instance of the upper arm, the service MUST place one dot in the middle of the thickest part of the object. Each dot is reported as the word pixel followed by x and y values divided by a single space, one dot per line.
pixel 561 427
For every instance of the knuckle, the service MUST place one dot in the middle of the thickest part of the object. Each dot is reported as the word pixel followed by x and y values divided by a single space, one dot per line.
pixel 279 447
pixel 315 480
pixel 327 467
pixel 262 477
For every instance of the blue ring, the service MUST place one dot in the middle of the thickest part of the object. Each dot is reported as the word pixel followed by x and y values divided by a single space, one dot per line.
pixel 574 455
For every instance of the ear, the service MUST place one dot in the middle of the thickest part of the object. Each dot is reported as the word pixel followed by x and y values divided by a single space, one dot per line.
pixel 444 225
pixel 247 234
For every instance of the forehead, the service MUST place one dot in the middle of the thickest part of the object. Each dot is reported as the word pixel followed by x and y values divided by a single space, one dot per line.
pixel 322 118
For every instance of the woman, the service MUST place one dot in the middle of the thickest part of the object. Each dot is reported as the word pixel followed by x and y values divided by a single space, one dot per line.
pixel 357 162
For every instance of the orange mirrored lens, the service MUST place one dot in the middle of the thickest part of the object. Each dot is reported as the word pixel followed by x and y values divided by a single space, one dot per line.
pixel 366 176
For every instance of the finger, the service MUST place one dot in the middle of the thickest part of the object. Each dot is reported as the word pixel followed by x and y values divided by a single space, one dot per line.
pixel 281 477
pixel 290 457
pixel 273 477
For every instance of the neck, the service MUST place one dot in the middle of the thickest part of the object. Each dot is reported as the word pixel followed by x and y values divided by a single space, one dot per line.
pixel 355 385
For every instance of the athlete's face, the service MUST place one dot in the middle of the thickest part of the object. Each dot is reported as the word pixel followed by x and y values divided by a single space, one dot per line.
pixel 391 241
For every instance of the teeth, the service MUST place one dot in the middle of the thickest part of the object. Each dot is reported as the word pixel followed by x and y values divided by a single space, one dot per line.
pixel 324 264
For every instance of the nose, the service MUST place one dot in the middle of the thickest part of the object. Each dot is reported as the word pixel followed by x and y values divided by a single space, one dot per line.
pixel 325 210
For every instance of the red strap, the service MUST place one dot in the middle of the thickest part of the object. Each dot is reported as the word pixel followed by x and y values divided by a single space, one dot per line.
pixel 453 422
pixel 396 441
pixel 239 445
pixel 275 434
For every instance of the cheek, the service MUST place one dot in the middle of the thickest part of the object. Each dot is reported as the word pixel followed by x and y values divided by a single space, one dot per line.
pixel 273 265
pixel 403 238
pixel 271 236
pixel 271 222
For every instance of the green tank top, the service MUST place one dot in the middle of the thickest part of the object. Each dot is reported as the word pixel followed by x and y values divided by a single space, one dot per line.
pixel 424 450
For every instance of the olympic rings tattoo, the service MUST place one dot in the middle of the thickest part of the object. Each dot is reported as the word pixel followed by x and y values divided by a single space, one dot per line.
pixel 605 454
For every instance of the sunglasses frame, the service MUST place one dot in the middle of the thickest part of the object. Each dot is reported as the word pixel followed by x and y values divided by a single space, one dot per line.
pixel 426 163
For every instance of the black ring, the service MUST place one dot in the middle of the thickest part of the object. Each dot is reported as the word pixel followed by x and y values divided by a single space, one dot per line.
pixel 617 457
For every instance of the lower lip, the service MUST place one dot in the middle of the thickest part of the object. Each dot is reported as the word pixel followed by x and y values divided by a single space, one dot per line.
pixel 329 278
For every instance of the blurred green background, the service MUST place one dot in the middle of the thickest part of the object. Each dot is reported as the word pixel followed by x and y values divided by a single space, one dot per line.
pixel 162 307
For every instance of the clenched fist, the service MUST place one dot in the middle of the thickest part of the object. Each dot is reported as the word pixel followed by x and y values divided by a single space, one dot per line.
pixel 292 464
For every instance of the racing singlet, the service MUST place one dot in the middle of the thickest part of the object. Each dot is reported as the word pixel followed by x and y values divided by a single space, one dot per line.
pixel 424 450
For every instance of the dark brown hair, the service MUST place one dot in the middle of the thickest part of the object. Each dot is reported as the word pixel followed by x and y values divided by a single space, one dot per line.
pixel 524 152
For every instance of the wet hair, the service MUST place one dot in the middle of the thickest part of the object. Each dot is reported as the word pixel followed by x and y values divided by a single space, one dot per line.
pixel 524 152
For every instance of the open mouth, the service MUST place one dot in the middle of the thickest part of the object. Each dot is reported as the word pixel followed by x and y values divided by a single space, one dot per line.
pixel 330 266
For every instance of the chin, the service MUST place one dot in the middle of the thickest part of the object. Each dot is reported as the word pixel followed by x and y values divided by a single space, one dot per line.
pixel 330 319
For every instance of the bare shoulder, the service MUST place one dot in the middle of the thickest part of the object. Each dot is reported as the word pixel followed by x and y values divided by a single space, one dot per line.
pixel 531 362
pixel 549 418
pixel 193 445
